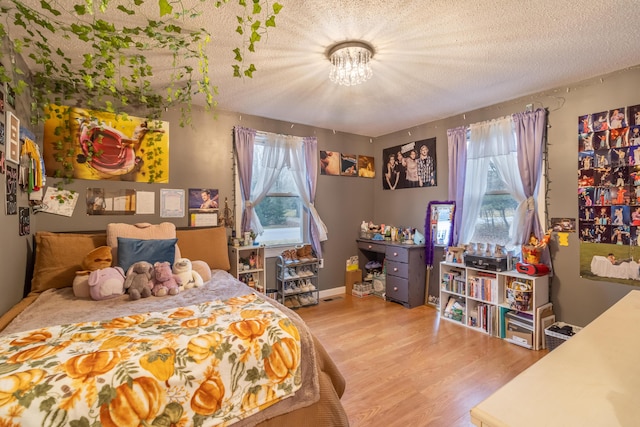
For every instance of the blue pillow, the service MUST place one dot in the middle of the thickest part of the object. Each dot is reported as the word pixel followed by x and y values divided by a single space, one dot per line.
pixel 131 251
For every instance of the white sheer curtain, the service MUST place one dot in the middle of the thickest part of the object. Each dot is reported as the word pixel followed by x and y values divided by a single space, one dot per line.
pixel 297 166
pixel 278 152
pixel 274 158
pixel 491 141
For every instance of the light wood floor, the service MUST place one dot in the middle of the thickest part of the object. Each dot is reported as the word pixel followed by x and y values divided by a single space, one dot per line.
pixel 405 367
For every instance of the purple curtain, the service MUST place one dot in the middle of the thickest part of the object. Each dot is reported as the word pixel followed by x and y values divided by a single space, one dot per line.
pixel 530 130
pixel 244 140
pixel 310 144
pixel 457 140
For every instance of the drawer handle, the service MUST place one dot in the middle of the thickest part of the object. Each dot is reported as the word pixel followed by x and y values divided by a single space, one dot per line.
pixel 369 247
pixel 395 268
pixel 395 288
pixel 395 254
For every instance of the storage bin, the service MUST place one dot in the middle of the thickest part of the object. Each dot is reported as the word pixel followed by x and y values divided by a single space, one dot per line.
pixel 362 289
pixel 553 338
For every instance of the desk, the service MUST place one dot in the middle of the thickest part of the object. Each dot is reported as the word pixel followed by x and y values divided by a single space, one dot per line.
pixel 406 270
pixel 593 379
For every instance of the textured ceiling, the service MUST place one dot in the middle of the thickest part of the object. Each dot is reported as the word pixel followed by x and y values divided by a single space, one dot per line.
pixel 433 59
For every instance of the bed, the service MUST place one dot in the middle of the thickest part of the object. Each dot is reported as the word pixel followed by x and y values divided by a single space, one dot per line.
pixel 220 354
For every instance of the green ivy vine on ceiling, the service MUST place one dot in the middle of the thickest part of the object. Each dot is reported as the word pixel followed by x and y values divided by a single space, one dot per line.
pixel 113 73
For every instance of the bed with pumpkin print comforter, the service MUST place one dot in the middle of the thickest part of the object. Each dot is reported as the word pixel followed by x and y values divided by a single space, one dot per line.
pixel 215 355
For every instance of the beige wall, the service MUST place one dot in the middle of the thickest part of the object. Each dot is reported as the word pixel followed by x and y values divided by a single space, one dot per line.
pixel 201 156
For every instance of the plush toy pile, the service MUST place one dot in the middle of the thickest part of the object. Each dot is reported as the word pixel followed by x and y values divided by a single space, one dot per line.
pixel 99 280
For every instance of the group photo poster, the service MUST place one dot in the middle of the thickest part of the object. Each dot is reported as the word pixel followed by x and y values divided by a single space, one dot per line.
pixel 411 165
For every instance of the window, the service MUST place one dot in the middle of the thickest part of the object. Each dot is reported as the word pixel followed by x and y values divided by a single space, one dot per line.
pixel 281 211
pixel 497 210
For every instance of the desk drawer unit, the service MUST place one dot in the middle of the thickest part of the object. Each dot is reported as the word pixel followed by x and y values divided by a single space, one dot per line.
pixel 405 269
pixel 372 247
pixel 399 269
pixel 397 289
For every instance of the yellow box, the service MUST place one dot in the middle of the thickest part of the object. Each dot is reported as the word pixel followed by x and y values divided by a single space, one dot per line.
pixel 351 277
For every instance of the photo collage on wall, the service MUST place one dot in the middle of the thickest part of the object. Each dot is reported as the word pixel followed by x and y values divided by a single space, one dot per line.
pixel 609 192
pixel 342 164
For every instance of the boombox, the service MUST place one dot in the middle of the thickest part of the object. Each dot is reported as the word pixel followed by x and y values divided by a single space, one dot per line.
pixel 532 269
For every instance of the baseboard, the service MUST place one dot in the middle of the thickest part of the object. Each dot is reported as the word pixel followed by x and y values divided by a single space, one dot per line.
pixel 332 292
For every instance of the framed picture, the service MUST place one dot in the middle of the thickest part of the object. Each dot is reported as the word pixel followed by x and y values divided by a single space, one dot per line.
pixel 412 165
pixel 13 138
pixel 329 163
pixel 366 167
pixel 348 165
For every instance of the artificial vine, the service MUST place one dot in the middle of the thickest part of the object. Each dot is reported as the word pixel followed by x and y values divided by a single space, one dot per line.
pixel 113 74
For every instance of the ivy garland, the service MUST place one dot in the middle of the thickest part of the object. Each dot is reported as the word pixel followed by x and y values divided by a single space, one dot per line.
pixel 114 73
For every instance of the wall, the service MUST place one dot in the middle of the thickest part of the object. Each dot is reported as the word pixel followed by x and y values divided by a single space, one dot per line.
pixel 16 249
pixel 201 156
pixel 576 300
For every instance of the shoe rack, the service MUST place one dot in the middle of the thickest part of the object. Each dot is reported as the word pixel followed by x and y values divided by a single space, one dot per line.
pixel 297 278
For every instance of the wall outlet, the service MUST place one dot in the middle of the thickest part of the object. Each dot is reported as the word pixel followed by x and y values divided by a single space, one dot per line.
pixel 321 263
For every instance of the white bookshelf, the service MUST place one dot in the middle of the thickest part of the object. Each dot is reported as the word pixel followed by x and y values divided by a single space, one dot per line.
pixel 480 297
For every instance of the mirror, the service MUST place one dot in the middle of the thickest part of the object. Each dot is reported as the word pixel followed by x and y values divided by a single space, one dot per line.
pixel 438 227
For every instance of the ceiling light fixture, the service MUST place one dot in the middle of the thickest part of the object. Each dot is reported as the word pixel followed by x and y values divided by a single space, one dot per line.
pixel 350 62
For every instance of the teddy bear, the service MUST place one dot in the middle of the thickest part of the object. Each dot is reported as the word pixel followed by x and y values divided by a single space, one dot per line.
pixel 188 276
pixel 164 281
pixel 106 283
pixel 138 280
pixel 96 259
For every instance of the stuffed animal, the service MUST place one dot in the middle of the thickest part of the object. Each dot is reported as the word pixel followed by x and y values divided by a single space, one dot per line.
pixel 106 283
pixel 97 259
pixel 138 280
pixel 188 276
pixel 164 281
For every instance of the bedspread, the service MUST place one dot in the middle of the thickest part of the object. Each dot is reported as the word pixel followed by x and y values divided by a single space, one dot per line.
pixel 204 364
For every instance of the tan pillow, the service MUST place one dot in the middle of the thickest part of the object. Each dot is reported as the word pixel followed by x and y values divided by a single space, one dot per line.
pixel 205 244
pixel 143 230
pixel 59 256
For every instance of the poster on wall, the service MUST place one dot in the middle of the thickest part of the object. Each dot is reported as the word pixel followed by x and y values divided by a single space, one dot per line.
pixel 171 203
pixel 348 165
pixel 100 145
pixel 329 163
pixel 101 201
pixel 13 142
pixel 411 165
pixel 366 167
pixel 11 190
pixel 24 222
pixel 203 207
pixel 609 195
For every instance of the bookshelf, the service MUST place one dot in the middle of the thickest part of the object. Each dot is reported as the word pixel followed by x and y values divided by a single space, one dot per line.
pixel 502 304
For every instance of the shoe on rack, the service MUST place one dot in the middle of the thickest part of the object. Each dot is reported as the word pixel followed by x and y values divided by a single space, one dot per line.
pixel 292 273
pixel 287 274
pixel 295 301
pixel 310 285
pixel 288 303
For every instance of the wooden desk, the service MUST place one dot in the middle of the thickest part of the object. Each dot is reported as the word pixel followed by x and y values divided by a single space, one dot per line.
pixel 593 379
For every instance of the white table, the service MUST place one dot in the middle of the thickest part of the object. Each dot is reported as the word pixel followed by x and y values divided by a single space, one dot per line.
pixel 593 379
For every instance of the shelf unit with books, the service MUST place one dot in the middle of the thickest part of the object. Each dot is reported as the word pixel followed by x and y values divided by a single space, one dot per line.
pixel 502 304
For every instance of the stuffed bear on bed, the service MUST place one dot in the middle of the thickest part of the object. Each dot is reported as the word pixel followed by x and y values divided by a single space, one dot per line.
pixel 164 281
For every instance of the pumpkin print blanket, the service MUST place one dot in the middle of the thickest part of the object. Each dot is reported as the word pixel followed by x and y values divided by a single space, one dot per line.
pixel 207 364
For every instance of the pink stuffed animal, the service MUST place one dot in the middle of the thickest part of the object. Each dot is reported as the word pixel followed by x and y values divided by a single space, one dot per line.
pixel 106 283
pixel 164 281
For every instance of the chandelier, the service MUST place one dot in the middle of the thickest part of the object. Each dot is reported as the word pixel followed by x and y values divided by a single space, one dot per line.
pixel 350 63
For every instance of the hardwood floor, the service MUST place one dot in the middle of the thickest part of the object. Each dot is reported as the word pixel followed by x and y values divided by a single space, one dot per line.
pixel 405 367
